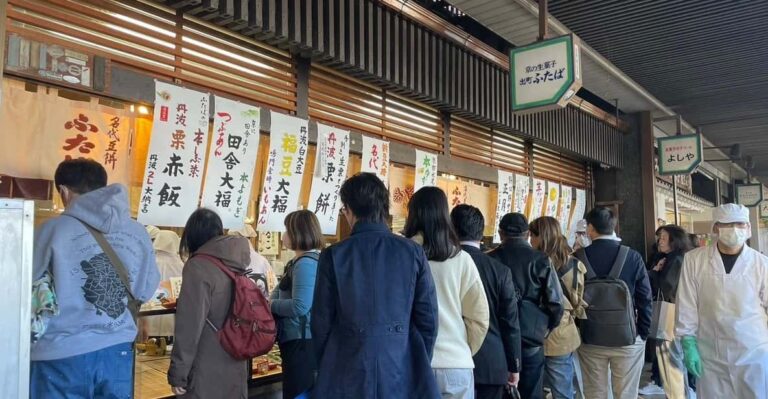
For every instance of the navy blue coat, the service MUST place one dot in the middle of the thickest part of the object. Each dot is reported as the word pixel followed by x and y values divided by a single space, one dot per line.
pixel 374 318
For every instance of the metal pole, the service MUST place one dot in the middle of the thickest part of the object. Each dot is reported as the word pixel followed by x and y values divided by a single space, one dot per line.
pixel 674 178
pixel 542 19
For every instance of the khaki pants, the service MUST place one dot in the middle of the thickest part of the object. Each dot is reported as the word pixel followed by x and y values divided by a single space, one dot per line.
pixel 625 365
pixel 674 375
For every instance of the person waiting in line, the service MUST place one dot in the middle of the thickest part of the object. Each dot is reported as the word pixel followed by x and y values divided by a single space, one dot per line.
pixel 562 342
pixel 497 363
pixel 374 313
pixel 200 367
pixel 462 304
pixel 539 294
pixel 87 349
pixel 169 263
pixel 722 320
pixel 292 301
pixel 582 239
pixel 618 351
pixel 259 264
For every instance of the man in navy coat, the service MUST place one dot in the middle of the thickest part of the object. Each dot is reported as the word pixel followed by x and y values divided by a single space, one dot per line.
pixel 374 314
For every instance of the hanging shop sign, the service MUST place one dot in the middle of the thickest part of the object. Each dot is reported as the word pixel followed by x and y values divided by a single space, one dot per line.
pixel 564 214
pixel 376 158
pixel 174 168
pixel 749 195
pixel 288 141
pixel 231 161
pixel 539 196
pixel 331 164
pixel 679 155
pixel 457 192
pixel 522 192
pixel 47 61
pixel 553 199
pixel 54 129
pixel 506 184
pixel 426 170
pixel 545 74
pixel 579 209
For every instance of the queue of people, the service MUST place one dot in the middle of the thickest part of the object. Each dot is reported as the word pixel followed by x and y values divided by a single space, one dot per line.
pixel 425 314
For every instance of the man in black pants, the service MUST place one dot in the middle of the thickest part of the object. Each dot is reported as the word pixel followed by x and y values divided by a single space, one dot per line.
pixel 539 298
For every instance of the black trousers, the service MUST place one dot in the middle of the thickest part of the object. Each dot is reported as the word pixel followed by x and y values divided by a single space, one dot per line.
pixel 489 391
pixel 531 384
pixel 299 367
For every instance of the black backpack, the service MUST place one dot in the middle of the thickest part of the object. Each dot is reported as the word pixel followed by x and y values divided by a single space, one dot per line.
pixel 610 310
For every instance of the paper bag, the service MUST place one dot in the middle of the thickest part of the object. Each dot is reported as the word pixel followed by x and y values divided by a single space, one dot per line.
pixel 663 321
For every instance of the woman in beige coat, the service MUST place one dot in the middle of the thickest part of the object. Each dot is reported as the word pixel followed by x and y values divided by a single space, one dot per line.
pixel 559 369
pixel 200 368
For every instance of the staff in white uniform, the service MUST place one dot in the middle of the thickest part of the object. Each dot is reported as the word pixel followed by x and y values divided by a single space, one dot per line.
pixel 722 318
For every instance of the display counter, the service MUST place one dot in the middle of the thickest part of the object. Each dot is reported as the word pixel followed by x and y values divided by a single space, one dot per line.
pixel 152 362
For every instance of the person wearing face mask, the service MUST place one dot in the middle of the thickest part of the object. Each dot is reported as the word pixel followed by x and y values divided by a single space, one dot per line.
pixel 722 320
pixel 582 239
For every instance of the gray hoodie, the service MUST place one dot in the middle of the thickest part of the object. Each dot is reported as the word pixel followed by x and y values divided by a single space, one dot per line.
pixel 92 299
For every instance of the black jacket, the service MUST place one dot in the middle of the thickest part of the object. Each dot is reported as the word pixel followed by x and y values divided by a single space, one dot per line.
pixel 536 282
pixel 601 254
pixel 500 353
pixel 665 282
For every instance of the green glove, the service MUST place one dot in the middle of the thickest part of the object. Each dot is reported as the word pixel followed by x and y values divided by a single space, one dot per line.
pixel 692 357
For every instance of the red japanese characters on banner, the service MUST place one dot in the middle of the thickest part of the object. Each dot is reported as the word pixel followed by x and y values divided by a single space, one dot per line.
pixel 376 158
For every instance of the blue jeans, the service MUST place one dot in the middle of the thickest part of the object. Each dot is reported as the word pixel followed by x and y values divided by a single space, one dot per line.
pixel 103 374
pixel 558 376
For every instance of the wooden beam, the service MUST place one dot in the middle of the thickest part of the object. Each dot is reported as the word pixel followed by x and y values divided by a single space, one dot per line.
pixel 3 23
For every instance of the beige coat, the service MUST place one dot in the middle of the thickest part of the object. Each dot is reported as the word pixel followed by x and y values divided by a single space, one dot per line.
pixel 198 362
pixel 565 338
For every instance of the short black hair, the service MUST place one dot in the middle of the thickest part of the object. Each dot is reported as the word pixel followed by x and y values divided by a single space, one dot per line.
pixel 428 215
pixel 80 175
pixel 602 220
pixel 202 226
pixel 468 222
pixel 366 196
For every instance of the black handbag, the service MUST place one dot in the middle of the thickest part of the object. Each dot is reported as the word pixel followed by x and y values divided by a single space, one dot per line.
pixel 511 392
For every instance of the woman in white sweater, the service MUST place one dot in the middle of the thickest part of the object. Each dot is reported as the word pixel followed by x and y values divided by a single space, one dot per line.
pixel 462 304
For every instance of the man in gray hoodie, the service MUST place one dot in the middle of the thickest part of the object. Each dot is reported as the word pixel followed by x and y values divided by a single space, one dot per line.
pixel 87 349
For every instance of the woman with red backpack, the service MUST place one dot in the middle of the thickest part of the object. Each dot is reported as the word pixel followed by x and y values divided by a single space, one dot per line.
pixel 200 366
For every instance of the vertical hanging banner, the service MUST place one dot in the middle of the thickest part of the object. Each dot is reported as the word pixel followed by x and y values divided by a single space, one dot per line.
pixel 174 170
pixel 288 140
pixel 553 199
pixel 578 213
pixel 376 158
pixel 522 191
pixel 426 170
pixel 539 195
pixel 231 161
pixel 331 165
pixel 456 190
pixel 506 184
pixel 566 201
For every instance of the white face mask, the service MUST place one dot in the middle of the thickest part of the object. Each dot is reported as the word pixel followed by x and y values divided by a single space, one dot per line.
pixel 732 236
pixel 584 240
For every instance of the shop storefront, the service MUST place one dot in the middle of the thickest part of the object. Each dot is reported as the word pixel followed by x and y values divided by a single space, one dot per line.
pixel 90 79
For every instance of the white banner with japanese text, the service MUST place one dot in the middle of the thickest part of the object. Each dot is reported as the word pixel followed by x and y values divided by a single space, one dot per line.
pixel 506 184
pixel 553 199
pixel 579 208
pixel 566 202
pixel 376 158
pixel 288 142
pixel 539 195
pixel 231 161
pixel 331 165
pixel 426 170
pixel 174 170
pixel 522 192
pixel 41 129
pixel 455 190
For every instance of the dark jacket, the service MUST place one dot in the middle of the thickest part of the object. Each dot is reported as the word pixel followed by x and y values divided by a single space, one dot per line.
pixel 500 353
pixel 198 361
pixel 536 282
pixel 601 254
pixel 374 318
pixel 665 282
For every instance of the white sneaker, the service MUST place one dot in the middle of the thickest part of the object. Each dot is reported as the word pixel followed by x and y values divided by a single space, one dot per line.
pixel 651 389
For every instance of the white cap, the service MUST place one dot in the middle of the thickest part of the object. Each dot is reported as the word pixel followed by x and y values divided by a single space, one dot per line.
pixel 167 241
pixel 581 226
pixel 730 213
pixel 246 231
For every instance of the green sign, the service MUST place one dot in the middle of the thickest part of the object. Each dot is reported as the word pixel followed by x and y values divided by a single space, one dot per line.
pixel 679 155
pixel 545 74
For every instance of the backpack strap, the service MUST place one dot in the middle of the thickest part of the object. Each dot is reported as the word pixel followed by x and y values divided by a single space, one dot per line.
pixel 221 266
pixel 618 264
pixel 581 255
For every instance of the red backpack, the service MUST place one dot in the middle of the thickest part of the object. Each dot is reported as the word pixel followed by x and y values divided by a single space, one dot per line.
pixel 249 329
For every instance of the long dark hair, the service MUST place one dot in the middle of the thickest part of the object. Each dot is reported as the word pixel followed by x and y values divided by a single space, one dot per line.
pixel 428 215
pixel 553 243
pixel 678 238
pixel 202 226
